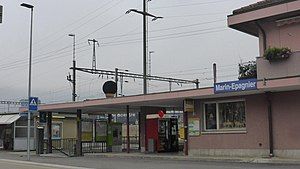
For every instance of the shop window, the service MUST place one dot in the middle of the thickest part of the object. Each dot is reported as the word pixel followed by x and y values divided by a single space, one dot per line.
pixel 222 116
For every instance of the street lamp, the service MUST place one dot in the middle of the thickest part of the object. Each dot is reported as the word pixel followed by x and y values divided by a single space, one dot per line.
pixel 74 71
pixel 29 79
pixel 145 14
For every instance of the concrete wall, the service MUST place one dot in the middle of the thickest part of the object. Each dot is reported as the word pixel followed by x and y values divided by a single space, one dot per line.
pixel 284 68
pixel 255 140
pixel 286 116
pixel 281 36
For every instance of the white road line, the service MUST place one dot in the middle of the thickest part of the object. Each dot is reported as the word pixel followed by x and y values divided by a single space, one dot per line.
pixel 43 164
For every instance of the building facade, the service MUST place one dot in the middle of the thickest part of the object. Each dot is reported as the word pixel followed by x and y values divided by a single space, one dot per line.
pixel 251 117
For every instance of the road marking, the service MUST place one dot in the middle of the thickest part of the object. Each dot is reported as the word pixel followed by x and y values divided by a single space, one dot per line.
pixel 42 164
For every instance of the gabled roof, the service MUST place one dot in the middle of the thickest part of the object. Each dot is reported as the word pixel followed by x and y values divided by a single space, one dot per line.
pixel 260 5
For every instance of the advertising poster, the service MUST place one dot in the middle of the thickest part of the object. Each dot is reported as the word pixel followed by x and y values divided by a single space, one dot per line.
pixel 87 131
pixel 194 126
pixel 56 131
pixel 101 130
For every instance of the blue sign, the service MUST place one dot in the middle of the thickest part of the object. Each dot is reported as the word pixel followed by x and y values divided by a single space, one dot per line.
pixel 33 104
pixel 235 86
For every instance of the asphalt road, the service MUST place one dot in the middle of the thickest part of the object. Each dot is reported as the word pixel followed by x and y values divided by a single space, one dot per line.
pixel 19 162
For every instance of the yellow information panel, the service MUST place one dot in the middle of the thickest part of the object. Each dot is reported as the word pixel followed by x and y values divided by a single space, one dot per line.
pixel 181 132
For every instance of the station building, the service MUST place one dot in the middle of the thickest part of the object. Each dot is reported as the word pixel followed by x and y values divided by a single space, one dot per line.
pixel 250 117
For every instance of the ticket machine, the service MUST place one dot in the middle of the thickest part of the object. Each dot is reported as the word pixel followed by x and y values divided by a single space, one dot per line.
pixel 162 134
pixel 114 137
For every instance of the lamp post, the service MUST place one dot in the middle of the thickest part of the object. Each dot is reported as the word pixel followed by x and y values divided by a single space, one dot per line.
pixel 29 79
pixel 145 14
pixel 74 71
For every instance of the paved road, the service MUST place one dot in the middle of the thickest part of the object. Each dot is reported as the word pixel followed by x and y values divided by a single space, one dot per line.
pixel 123 163
pixel 16 164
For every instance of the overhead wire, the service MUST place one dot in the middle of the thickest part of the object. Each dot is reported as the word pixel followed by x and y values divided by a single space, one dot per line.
pixel 51 34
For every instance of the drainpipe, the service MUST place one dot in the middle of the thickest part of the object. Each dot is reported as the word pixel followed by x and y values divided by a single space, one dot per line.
pixel 270 121
pixel 264 35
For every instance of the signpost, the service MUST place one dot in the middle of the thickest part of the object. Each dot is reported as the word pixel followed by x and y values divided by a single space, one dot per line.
pixel 33 106
pixel 235 86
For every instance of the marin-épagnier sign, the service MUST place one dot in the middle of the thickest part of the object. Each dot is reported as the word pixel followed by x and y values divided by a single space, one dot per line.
pixel 235 86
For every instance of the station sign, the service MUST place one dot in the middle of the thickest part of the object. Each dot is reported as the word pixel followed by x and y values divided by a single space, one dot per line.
pixel 235 86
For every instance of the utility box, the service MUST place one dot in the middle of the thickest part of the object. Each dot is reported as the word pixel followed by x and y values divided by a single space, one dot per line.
pixel 151 146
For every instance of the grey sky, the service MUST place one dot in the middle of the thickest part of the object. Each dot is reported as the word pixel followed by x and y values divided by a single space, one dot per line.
pixel 192 35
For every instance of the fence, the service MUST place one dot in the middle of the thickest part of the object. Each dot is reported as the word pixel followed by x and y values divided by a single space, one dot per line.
pixel 65 146
pixel 93 147
pixel 134 142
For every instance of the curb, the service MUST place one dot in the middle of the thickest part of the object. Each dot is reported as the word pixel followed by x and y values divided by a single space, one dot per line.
pixel 203 159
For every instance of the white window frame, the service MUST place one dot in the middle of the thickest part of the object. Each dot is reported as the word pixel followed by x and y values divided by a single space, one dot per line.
pixel 218 130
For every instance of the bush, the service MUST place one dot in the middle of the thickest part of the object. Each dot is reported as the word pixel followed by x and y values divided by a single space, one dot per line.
pixel 275 54
pixel 247 70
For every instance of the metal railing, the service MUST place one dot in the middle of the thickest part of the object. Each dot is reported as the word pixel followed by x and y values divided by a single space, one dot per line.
pixel 94 147
pixel 66 146
pixel 134 142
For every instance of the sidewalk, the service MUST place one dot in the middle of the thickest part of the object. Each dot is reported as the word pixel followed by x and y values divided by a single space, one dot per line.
pixel 175 156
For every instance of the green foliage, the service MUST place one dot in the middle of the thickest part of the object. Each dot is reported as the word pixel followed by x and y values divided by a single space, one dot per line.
pixel 247 70
pixel 275 54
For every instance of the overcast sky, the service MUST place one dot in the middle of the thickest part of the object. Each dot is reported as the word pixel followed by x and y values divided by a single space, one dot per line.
pixel 192 36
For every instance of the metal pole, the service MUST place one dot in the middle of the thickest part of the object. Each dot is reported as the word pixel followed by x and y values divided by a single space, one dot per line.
pixel 270 121
pixel 79 133
pixel 29 88
pixel 74 72
pixel 215 72
pixel 127 121
pixel 116 80
pixel 94 54
pixel 144 47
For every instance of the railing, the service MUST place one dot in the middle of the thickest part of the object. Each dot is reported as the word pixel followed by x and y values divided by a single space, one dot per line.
pixel 65 146
pixel 134 142
pixel 93 147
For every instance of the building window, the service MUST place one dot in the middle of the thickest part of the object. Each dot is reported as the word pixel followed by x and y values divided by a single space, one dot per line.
pixel 211 116
pixel 222 116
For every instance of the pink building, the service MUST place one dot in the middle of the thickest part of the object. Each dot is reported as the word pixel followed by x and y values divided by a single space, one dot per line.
pixel 254 117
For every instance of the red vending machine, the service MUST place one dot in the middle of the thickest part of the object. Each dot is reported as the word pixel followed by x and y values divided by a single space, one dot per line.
pixel 162 133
